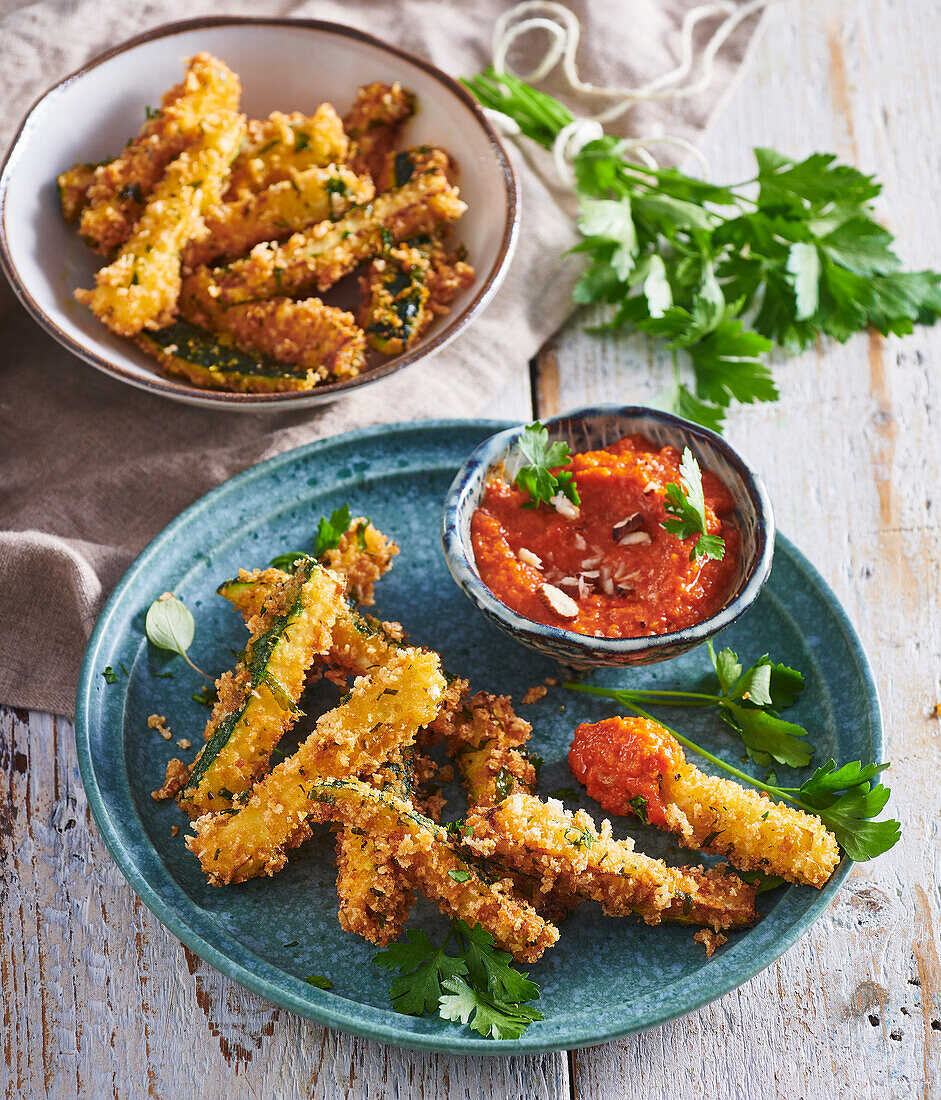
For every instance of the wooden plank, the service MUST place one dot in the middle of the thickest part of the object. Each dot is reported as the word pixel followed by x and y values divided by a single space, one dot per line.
pixel 851 455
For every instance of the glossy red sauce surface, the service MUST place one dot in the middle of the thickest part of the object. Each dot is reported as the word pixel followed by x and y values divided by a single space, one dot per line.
pixel 623 590
pixel 620 759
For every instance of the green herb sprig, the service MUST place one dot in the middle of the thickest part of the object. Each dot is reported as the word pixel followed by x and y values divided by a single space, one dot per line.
pixel 169 624
pixel 330 529
pixel 541 477
pixel 725 273
pixel 749 701
pixel 478 986
pixel 687 504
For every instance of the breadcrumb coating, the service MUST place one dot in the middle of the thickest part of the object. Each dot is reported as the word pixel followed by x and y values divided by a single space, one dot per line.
pixel 74 184
pixel 282 144
pixel 382 713
pixel 563 851
pixel 374 124
pixel 317 258
pixel 422 850
pixel 362 556
pixel 323 339
pixel 257 702
pixel 116 195
pixel 141 287
pixel 278 211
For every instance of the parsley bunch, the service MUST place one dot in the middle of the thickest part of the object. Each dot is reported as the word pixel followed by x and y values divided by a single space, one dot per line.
pixel 687 504
pixel 478 986
pixel 725 273
pixel 541 477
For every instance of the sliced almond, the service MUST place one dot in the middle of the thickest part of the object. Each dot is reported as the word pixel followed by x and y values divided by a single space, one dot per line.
pixel 557 601
pixel 635 538
pixel 564 506
pixel 569 582
pixel 627 525
pixel 529 557
pixel 590 574
pixel 578 542
pixel 590 563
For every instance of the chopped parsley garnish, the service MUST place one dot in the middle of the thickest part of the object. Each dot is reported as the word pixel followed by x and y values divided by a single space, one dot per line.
pixel 478 986
pixel 687 504
pixel 542 458
pixel 460 876
pixel 111 677
pixel 319 980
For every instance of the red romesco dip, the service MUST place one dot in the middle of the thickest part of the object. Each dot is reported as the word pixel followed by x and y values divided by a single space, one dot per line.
pixel 622 760
pixel 627 577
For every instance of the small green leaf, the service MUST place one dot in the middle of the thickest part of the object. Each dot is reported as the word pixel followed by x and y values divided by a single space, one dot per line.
pixel 319 981
pixel 111 677
pixel 460 876
pixel 169 624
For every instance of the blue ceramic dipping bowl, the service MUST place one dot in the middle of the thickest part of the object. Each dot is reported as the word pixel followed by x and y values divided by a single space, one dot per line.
pixel 591 429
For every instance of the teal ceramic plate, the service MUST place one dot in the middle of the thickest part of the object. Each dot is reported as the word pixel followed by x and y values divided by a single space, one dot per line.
pixel 605 977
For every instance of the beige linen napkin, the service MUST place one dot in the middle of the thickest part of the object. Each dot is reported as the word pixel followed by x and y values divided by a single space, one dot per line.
pixel 91 469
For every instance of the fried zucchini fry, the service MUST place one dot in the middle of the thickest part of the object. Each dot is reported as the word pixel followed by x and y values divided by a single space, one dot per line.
pixel 382 714
pixel 566 851
pixel 420 847
pixel 211 361
pixel 374 897
pixel 360 558
pixel 116 195
pixel 406 288
pixel 74 184
pixel 317 258
pixel 278 211
pixel 402 166
pixel 322 340
pixel 280 145
pixel 140 289
pixel 720 816
pixel 374 124
pixel 257 703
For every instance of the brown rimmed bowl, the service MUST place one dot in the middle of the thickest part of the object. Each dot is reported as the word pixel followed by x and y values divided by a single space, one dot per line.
pixel 284 64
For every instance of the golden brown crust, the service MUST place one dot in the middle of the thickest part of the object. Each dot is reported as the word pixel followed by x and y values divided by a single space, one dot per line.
pixel 177 775
pixel 116 196
pixel 317 258
pixel 282 144
pixel 374 124
pixel 278 211
pixel 324 340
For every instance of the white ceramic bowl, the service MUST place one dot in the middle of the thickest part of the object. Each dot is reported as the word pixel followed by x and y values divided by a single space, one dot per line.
pixel 283 65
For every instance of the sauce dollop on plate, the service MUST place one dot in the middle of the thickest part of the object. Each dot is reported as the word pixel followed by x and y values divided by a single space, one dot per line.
pixel 626 576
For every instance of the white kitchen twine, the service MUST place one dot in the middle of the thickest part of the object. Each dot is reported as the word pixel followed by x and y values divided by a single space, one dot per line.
pixel 563 28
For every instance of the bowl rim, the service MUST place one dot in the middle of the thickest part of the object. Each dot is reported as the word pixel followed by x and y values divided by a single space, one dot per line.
pixel 487 454
pixel 223 398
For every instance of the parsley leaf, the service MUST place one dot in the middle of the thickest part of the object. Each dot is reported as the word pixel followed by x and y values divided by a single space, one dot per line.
pixel 422 969
pixel 489 1017
pixel 542 458
pixel 111 677
pixel 686 503
pixel 319 981
pixel 330 531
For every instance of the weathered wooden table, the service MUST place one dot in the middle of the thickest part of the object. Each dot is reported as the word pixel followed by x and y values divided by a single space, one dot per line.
pixel 99 1000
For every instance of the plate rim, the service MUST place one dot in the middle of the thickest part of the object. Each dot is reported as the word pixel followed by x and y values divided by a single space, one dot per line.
pixel 261 402
pixel 328 1009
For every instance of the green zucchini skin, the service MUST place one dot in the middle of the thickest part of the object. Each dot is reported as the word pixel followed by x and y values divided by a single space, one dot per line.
pixel 186 350
pixel 395 298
